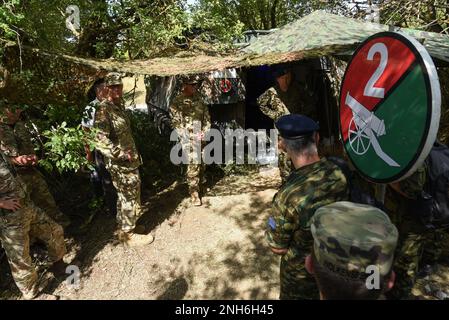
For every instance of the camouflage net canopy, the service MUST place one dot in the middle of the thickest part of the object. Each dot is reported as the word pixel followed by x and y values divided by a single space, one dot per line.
pixel 339 35
pixel 32 76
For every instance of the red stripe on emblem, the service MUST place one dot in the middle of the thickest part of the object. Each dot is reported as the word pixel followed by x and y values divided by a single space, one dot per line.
pixel 362 70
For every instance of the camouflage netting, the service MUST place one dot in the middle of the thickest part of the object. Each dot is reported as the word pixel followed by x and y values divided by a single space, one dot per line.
pixel 323 30
pixel 33 76
pixel 36 76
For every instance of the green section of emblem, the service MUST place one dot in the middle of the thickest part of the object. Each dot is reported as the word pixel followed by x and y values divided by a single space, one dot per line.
pixel 404 114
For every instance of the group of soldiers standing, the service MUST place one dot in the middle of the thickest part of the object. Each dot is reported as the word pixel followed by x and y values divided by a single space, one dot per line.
pixel 325 242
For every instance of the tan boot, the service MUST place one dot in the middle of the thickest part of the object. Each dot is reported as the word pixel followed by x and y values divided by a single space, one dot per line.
pixel 136 237
pixel 196 200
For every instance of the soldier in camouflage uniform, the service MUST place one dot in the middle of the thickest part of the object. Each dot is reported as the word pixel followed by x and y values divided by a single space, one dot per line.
pixel 349 239
pixel 189 114
pixel 314 183
pixel 20 220
pixel 116 143
pixel 16 143
pixel 417 244
pixel 99 176
pixel 287 96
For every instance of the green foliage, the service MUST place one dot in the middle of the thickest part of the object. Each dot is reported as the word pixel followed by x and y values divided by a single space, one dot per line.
pixel 9 19
pixel 428 15
pixel 215 20
pixel 149 26
pixel 57 114
pixel 64 149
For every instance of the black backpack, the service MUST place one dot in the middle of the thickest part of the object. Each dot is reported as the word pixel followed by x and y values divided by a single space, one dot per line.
pixel 432 206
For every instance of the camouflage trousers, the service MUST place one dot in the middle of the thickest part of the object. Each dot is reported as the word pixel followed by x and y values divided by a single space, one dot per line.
pixel 285 165
pixel 195 167
pixel 127 183
pixel 194 177
pixel 16 228
pixel 296 282
pixel 40 194
pixel 417 245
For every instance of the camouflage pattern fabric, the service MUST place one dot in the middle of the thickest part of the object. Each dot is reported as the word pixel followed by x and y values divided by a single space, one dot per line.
pixel 17 227
pixel 16 141
pixel 275 103
pixel 113 141
pixel 306 189
pixel 285 166
pixel 417 244
pixel 114 137
pixel 113 79
pixel 274 108
pixel 128 186
pixel 223 90
pixel 322 34
pixel 186 112
pixel 349 237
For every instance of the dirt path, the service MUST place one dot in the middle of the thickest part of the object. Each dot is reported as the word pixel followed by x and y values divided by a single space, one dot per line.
pixel 216 251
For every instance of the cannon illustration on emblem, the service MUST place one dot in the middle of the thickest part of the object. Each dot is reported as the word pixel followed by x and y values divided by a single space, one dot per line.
pixel 364 128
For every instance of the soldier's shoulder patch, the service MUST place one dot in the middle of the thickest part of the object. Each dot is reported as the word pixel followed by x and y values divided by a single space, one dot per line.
pixel 272 223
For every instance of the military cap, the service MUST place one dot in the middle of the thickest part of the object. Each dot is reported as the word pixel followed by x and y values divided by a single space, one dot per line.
pixel 113 79
pixel 349 237
pixel 296 126
pixel 281 70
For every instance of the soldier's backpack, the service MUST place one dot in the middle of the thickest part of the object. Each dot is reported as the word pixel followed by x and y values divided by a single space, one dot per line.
pixel 432 206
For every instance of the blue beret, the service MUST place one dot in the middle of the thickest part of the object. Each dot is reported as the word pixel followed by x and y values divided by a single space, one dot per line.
pixel 296 126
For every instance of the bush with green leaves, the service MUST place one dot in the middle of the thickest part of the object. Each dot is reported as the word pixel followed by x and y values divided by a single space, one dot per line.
pixel 65 148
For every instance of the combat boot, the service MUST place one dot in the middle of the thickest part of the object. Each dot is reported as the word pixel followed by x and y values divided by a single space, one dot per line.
pixel 134 239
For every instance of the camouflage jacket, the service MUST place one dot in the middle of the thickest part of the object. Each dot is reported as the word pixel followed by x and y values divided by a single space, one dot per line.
pixel 185 110
pixel 275 103
pixel 114 136
pixel 16 140
pixel 10 185
pixel 306 189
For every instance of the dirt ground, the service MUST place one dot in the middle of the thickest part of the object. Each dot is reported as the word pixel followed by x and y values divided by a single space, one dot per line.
pixel 216 251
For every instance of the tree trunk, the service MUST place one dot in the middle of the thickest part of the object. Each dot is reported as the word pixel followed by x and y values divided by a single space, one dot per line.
pixel 273 13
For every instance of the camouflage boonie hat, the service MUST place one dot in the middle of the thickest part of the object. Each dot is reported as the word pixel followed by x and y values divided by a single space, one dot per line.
pixel 349 237
pixel 113 79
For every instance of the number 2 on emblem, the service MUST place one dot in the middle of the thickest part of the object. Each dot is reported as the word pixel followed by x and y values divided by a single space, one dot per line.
pixel 370 89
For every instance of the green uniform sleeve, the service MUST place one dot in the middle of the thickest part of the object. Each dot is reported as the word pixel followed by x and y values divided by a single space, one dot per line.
pixel 271 105
pixel 104 142
pixel 281 226
pixel 122 127
pixel 8 142
pixel 9 186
